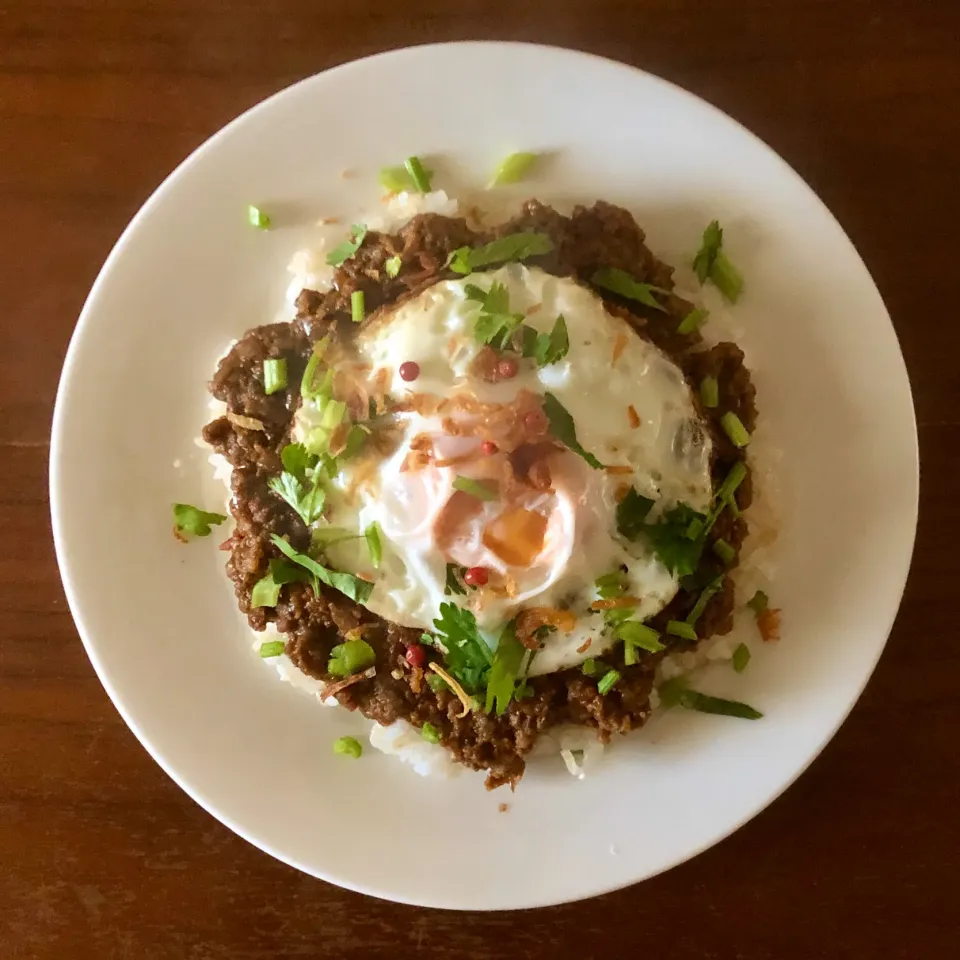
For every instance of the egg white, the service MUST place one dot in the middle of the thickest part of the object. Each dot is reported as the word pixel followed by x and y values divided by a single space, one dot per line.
pixel 435 330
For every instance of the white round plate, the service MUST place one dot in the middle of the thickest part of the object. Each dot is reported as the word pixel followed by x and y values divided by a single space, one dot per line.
pixel 158 619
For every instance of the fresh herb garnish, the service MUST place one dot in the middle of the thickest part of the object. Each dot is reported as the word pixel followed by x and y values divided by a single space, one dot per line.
pixel 708 591
pixel 592 667
pixel 429 732
pixel 193 521
pixel 563 429
pixel 712 263
pixel 679 553
pixel 348 747
pixel 740 658
pixel 675 693
pixel 436 683
pixel 512 169
pixel 607 682
pixel 496 323
pixel 481 489
pixel 547 348
pixel 349 585
pixel 357 308
pixel 257 218
pixel 709 392
pixel 299 484
pixel 758 602
pixel 507 660
pixel 374 544
pixel 692 321
pixel 395 179
pixel 468 658
pixel 308 386
pixel 677 628
pixel 271 648
pixel 344 251
pixel 634 634
pixel 455 584
pixel 418 174
pixel 392 266
pixel 632 513
pixel 733 427
pixel 724 551
pixel 350 657
pixel 274 375
pixel 610 585
pixel 510 248
pixel 620 282
pixel 266 591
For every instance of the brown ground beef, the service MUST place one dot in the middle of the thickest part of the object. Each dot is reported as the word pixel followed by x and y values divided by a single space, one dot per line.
pixel 603 235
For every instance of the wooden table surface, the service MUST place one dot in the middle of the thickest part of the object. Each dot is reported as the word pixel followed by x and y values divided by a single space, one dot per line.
pixel 101 856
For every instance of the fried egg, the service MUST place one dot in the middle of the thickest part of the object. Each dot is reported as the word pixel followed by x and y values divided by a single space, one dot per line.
pixel 545 526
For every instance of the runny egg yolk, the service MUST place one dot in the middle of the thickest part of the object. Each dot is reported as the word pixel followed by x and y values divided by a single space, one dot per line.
pixel 475 479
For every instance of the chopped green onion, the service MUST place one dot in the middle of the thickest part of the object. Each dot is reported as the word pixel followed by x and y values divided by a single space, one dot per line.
pixel 694 528
pixel 758 602
pixel 724 551
pixel 676 693
pixel 348 747
pixel 734 429
pixel 274 375
pixel 728 279
pixel 419 176
pixel 709 392
pixel 344 251
pixel 732 481
pixel 610 585
pixel 374 545
pixel 591 667
pixel 333 413
pixel 350 657
pixel 512 169
pixel 392 266
pixel 708 591
pixel 607 682
pixel 194 521
pixel 257 218
pixel 617 615
pixel 692 321
pixel 741 657
pixel 677 628
pixel 620 282
pixel 356 306
pixel 476 488
pixel 395 179
pixel 635 634
pixel 430 733
pixel 307 388
pixel 271 648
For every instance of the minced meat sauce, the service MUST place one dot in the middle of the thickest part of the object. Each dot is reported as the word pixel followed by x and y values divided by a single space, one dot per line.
pixel 600 236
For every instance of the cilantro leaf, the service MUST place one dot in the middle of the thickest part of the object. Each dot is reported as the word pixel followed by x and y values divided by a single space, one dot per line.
pixel 632 511
pixel 349 585
pixel 564 429
pixel 496 324
pixel 547 348
pixel 305 496
pixel 344 251
pixel 668 536
pixel 194 521
pixel 504 671
pixel 468 657
pixel 266 591
pixel 512 247
pixel 713 264
pixel 620 282
pixel 298 460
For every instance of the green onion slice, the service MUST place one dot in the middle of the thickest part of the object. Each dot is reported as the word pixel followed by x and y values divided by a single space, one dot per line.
pixel 374 544
pixel 741 657
pixel 709 392
pixel 348 747
pixel 257 218
pixel 512 169
pixel 692 321
pixel 344 251
pixel 356 306
pixel 430 733
pixel 734 429
pixel 350 657
pixel 635 634
pixel 271 648
pixel 677 628
pixel 274 375
pixel 724 551
pixel 758 602
pixel 607 682
pixel 419 176
pixel 392 266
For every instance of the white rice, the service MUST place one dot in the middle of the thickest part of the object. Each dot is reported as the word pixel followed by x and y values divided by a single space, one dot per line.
pixel 577 746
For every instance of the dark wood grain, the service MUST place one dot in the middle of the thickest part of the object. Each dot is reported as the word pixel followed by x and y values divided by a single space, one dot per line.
pixel 101 856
